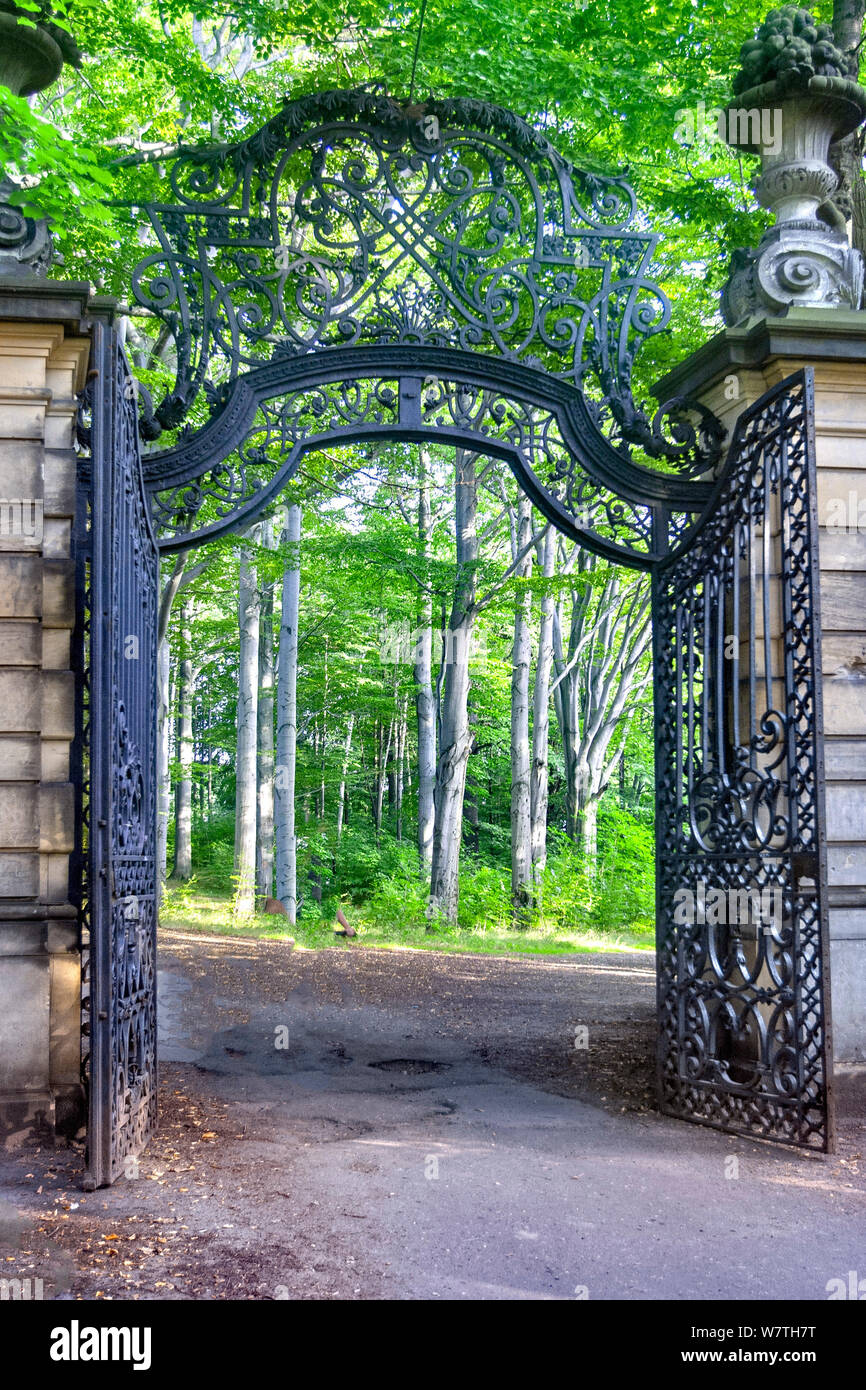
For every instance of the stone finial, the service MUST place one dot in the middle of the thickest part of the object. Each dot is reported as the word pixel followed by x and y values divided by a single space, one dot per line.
pixel 31 58
pixel 795 98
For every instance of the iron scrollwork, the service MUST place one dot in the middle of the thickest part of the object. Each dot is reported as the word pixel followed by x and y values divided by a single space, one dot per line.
pixel 741 872
pixel 351 221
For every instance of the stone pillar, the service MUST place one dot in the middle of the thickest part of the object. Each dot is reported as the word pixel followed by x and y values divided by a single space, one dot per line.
pixel 728 374
pixel 43 364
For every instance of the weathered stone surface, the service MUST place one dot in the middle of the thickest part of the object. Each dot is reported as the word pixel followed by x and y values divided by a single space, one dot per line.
pixel 55 648
pixel 58 593
pixel 20 643
pixel 55 760
pixel 57 538
pixel 19 815
pixel 20 586
pixel 60 475
pixel 56 817
pixel 54 878
pixel 65 1024
pixel 845 759
pixel 58 704
pixel 20 757
pixel 848 985
pixel 20 699
pixel 19 875
pixel 846 810
pixel 20 468
pixel 844 704
pixel 846 864
pixel 25 1022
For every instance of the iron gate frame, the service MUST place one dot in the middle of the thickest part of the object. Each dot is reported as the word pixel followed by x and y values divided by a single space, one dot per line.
pixel 119 1059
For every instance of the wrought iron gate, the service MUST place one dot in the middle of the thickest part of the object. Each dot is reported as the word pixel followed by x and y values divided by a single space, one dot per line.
pixel 362 269
pixel 120 907
pixel 741 874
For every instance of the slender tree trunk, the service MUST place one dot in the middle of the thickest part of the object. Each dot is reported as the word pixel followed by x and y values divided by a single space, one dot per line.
pixel 247 727
pixel 398 775
pixel 323 743
pixel 521 848
pixel 163 668
pixel 456 738
pixel 381 777
pixel 265 832
pixel 341 799
pixel 183 791
pixel 540 778
pixel 287 724
pixel 425 700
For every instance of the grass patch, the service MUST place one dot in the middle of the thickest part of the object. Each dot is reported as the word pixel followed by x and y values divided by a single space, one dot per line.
pixel 199 908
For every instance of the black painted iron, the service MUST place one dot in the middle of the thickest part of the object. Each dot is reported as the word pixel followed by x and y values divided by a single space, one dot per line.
pixel 743 954
pixel 119 911
pixel 450 238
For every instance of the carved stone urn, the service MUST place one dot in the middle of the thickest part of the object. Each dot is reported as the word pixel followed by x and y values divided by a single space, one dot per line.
pixel 31 58
pixel 805 259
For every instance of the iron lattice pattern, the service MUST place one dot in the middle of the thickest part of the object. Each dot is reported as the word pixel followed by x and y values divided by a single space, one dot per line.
pixel 287 426
pixel 120 911
pixel 742 950
pixel 349 220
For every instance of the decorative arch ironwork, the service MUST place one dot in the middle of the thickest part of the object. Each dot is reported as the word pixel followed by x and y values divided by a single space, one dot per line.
pixel 448 241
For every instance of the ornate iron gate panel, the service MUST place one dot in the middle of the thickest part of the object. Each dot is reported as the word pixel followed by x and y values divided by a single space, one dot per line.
pixel 121 898
pixel 743 990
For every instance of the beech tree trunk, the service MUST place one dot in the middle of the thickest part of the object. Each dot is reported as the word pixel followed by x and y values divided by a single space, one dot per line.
pixel 163 720
pixel 287 723
pixel 540 777
pixel 183 791
pixel 247 728
pixel 265 809
pixel 425 700
pixel 341 799
pixel 455 738
pixel 521 850
pixel 600 673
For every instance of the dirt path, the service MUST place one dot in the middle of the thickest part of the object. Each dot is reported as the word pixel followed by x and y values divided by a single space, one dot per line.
pixel 368 1124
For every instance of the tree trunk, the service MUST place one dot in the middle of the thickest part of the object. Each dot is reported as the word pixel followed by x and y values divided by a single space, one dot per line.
pixel 247 726
pixel 265 830
pixel 381 777
pixel 597 677
pixel 456 739
pixel 287 724
pixel 183 791
pixel 163 668
pixel 425 700
pixel 341 799
pixel 521 850
pixel 398 775
pixel 540 778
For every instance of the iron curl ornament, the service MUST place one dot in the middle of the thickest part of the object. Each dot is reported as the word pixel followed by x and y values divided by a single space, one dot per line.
pixel 349 220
